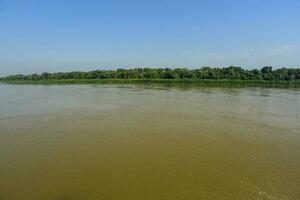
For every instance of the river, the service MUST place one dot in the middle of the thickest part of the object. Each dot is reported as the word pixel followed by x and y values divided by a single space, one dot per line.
pixel 148 142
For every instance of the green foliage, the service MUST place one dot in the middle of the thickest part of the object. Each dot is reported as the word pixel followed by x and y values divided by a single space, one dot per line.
pixel 229 73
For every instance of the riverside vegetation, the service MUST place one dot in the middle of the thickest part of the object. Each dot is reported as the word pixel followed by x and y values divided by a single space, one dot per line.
pixel 204 75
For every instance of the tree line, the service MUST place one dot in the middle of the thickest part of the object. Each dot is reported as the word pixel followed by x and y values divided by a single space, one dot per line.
pixel 266 73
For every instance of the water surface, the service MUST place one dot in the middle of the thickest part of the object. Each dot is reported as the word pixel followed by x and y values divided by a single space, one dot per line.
pixel 88 142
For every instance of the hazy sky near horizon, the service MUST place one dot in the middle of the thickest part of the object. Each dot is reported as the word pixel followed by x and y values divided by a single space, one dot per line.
pixel 67 35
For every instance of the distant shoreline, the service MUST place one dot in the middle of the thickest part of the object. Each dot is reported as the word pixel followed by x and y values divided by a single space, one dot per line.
pixel 206 76
pixel 200 82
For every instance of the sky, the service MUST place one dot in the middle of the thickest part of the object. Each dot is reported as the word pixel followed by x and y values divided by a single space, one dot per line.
pixel 69 35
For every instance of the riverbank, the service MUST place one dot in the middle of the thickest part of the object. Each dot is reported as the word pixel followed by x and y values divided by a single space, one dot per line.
pixel 204 82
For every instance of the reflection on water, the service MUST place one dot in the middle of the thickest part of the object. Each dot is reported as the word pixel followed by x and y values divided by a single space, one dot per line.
pixel 74 142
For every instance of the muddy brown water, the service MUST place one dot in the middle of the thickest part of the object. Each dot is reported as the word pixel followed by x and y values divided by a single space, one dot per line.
pixel 148 142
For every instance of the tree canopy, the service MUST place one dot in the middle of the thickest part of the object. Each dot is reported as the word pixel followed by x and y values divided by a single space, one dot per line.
pixel 237 73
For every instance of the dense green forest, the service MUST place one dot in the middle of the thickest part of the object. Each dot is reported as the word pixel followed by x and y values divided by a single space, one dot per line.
pixel 228 73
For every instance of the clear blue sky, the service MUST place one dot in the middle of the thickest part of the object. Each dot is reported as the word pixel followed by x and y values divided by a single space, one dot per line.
pixel 64 35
